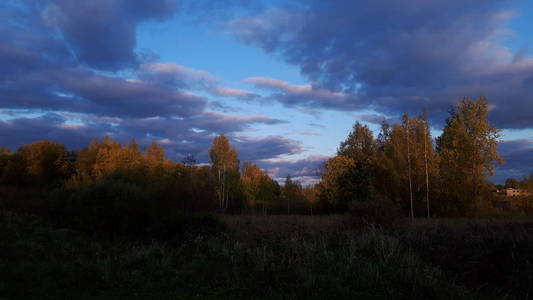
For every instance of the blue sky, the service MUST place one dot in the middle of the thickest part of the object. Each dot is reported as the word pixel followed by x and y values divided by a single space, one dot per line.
pixel 285 80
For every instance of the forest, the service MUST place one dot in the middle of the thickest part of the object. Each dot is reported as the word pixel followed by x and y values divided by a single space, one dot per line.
pixel 397 215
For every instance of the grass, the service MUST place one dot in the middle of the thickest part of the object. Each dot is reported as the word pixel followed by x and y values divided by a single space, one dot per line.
pixel 274 257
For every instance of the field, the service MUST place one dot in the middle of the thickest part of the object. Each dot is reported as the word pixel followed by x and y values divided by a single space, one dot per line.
pixel 272 257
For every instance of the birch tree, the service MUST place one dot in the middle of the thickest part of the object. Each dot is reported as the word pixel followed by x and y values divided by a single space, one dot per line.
pixel 224 163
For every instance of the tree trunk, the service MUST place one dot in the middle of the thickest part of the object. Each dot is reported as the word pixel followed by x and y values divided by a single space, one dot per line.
pixel 409 171
pixel 426 133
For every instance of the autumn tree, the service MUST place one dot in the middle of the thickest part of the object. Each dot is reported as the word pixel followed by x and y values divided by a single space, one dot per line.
pixel 252 179
pixel 260 190
pixel 336 188
pixel 360 147
pixel 311 197
pixel 97 159
pixel 155 153
pixel 5 157
pixel 292 195
pixel 155 162
pixel 45 161
pixel 468 149
pixel 225 165
pixel 269 193
pixel 413 164
pixel 112 156
pixel 5 154
pixel 512 183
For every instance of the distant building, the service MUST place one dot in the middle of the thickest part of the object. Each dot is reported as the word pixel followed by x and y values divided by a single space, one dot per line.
pixel 510 192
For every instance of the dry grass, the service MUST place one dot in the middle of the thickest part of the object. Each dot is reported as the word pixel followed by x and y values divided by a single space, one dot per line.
pixel 272 257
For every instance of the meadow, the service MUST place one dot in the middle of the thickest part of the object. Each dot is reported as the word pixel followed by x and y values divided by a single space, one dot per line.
pixel 271 257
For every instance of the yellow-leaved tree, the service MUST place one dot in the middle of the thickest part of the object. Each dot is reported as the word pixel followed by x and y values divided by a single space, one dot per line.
pixel 468 149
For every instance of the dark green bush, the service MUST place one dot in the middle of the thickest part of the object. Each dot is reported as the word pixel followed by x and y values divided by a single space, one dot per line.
pixel 124 205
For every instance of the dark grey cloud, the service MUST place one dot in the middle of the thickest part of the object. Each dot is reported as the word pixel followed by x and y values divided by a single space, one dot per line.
pixel 180 137
pixel 396 58
pixel 41 69
pixel 306 95
pixel 102 33
pixel 80 90
pixel 518 155
pixel 21 131
pixel 174 76
pixel 208 123
pixel 306 170
pixel 55 62
pixel 252 149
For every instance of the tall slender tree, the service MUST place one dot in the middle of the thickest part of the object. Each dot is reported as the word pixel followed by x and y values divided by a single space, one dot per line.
pixel 407 127
pixel 225 164
pixel 426 147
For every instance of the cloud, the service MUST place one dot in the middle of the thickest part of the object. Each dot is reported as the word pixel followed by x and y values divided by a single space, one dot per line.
pixel 234 93
pixel 375 119
pixel 306 170
pixel 308 133
pixel 303 95
pixel 220 123
pixel 316 125
pixel 518 156
pixel 102 33
pixel 176 76
pixel 172 75
pixel 79 90
pixel 180 137
pixel 252 149
pixel 396 58
pixel 70 72
pixel 21 131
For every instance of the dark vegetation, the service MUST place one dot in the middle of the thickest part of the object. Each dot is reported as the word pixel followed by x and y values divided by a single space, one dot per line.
pixel 272 257
pixel 113 222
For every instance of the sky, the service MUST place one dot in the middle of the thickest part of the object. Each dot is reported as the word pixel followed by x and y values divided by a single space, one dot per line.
pixel 285 80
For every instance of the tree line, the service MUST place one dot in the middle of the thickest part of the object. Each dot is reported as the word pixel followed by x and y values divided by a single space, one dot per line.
pixel 402 167
pixel 405 167
pixel 114 188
